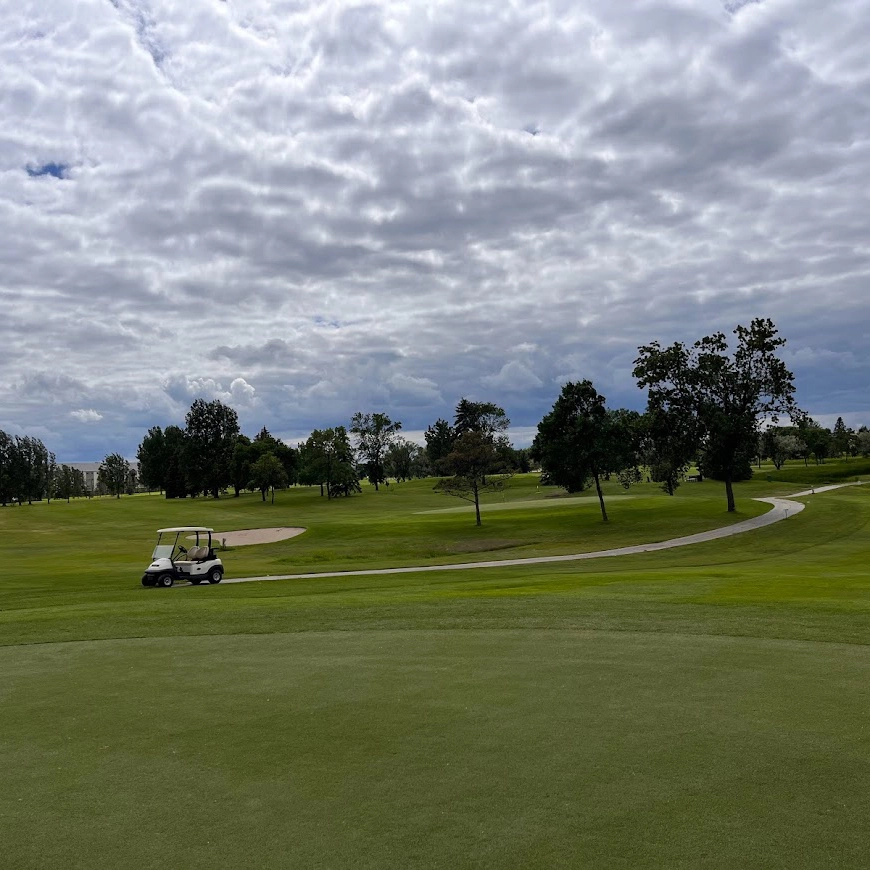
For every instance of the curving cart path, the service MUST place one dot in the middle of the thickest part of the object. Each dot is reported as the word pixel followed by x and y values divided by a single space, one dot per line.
pixel 782 509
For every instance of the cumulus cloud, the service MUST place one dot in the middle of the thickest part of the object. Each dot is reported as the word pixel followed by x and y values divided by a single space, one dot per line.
pixel 307 209
pixel 86 415
pixel 513 377
pixel 185 390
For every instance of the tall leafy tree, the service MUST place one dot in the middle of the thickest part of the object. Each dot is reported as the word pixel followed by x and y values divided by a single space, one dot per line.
pixel 153 459
pixel 374 435
pixel 7 469
pixel 175 478
pixel 483 417
pixel 668 442
pixel 476 466
pixel 49 474
pixel 843 438
pixel 211 429
pixel 114 473
pixel 30 461
pixel 581 440
pixel 265 442
pixel 818 439
pixel 725 395
pixel 490 420
pixel 268 473
pixel 440 437
pixel 243 458
pixel 66 482
pixel 782 447
pixel 402 459
pixel 327 459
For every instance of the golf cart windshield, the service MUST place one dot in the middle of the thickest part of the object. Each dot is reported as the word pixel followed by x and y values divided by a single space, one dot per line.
pixel 162 551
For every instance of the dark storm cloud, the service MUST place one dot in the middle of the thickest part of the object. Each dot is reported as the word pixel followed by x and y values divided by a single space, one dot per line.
pixel 308 209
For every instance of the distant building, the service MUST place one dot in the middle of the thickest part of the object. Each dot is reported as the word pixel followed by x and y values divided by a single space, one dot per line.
pixel 91 471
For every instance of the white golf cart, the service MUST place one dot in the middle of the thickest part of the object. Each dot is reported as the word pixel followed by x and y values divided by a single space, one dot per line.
pixel 172 560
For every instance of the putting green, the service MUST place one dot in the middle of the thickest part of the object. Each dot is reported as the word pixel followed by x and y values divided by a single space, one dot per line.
pixel 425 749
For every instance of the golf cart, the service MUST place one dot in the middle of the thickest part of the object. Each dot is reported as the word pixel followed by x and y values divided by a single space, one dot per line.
pixel 173 561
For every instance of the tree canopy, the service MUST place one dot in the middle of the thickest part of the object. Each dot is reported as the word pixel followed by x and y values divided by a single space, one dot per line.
pixel 580 439
pixel 722 396
pixel 211 429
pixel 374 435
pixel 114 474
pixel 152 459
pixel 327 459
pixel 476 466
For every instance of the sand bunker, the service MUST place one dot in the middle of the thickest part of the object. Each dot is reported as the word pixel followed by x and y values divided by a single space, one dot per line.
pixel 256 536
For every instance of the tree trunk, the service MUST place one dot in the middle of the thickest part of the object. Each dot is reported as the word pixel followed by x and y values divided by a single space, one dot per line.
pixel 263 493
pixel 477 503
pixel 729 493
pixel 600 498
pixel 273 495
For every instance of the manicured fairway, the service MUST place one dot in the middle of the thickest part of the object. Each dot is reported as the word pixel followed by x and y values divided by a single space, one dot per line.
pixel 708 707
pixel 432 749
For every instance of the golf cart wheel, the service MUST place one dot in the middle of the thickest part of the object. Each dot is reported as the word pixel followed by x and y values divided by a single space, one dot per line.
pixel 165 580
pixel 215 575
pixel 195 581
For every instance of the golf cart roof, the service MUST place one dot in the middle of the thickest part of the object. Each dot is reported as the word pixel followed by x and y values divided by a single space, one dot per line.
pixel 185 529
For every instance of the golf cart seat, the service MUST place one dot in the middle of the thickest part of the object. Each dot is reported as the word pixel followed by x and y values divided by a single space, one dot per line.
pixel 194 554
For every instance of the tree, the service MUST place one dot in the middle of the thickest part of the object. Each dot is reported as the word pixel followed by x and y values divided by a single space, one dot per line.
pixel 817 438
pixel 113 474
pixel 401 459
pixel 265 442
pixel 476 466
pixel 480 417
pixel 174 477
pixel 240 474
pixel 374 434
pixel 327 459
pixel 49 474
pixel 7 460
pixel 580 439
pixel 522 460
pixel 488 419
pixel 30 461
pixel 440 438
pixel 862 441
pixel 66 482
pixel 268 473
pixel 667 444
pixel 724 397
pixel 781 445
pixel 152 459
pixel 211 430
pixel 843 439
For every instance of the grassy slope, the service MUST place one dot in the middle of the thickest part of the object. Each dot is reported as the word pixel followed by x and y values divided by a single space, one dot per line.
pixel 661 710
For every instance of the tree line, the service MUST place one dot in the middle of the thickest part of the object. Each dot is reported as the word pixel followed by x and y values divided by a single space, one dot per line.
pixel 210 455
pixel 706 405
pixel 29 472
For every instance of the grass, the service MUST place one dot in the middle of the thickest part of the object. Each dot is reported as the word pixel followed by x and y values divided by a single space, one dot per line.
pixel 705 706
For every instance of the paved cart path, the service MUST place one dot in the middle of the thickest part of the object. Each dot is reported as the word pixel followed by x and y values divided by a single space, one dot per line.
pixel 781 510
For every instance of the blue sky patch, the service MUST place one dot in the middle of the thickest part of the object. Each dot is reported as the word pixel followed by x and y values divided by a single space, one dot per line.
pixel 57 170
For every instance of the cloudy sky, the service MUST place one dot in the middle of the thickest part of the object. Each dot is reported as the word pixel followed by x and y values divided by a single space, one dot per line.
pixel 307 209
